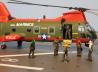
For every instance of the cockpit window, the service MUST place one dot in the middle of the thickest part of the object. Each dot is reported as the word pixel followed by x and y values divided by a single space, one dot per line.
pixel 14 29
pixel 28 30
pixel 89 28
pixel 51 30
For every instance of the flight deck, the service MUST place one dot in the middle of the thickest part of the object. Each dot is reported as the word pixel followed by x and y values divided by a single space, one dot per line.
pixel 13 59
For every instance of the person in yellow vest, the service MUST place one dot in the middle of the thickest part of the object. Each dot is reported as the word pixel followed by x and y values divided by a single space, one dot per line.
pixel 90 48
pixel 56 43
pixel 66 45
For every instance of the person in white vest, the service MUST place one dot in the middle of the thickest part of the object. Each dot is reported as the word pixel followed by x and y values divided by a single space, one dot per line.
pixel 90 48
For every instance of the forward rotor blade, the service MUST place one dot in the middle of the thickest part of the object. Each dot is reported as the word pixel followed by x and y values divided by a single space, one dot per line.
pixel 39 4
pixel 27 3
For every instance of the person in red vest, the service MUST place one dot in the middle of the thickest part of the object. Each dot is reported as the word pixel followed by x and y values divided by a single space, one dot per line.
pixel 79 48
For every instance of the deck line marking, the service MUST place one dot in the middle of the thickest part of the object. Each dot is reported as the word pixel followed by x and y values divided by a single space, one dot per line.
pixel 9 60
pixel 22 67
pixel 15 55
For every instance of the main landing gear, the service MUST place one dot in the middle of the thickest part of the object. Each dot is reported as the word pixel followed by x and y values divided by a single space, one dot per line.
pixel 19 44
pixel 3 46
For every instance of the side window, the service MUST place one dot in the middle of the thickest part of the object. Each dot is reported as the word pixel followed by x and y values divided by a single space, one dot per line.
pixel 14 29
pixel 81 28
pixel 28 30
pixel 51 30
pixel 36 30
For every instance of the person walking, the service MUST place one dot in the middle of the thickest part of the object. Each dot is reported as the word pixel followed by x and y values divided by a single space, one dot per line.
pixel 32 49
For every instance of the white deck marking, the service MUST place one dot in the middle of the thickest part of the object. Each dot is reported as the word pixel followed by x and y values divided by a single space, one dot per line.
pixel 15 55
pixel 9 60
pixel 27 67
pixel 22 67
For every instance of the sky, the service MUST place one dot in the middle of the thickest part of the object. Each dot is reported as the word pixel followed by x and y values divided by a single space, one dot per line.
pixel 29 11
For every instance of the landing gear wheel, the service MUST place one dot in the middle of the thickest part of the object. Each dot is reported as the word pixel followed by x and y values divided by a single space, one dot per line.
pixel 3 46
pixel 19 44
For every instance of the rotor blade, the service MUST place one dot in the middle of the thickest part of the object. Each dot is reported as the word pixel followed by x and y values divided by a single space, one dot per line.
pixel 92 12
pixel 39 4
pixel 93 9
pixel 27 3
pixel 16 1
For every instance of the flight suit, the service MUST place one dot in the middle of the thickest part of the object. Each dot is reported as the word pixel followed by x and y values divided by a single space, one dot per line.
pixel 90 50
pixel 66 45
pixel 32 49
pixel 68 32
pixel 56 46
pixel 79 48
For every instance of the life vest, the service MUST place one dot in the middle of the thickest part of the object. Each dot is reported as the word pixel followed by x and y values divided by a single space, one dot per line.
pixel 32 43
pixel 67 43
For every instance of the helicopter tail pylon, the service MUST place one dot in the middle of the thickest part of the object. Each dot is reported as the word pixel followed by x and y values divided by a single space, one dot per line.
pixel 4 13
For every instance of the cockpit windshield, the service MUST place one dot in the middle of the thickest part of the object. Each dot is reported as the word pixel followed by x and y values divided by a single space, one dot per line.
pixel 89 28
pixel 90 32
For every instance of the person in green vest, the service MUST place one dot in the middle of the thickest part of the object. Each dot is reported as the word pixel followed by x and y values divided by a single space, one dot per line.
pixel 32 49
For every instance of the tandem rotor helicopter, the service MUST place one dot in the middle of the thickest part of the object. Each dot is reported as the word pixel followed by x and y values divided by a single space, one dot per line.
pixel 71 25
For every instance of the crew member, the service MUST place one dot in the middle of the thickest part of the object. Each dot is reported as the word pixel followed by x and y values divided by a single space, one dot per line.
pixel 66 45
pixel 68 32
pixel 32 49
pixel 90 50
pixel 56 46
pixel 79 48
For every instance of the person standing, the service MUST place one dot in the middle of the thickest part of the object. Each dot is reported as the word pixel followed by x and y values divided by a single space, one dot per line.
pixel 56 43
pixel 90 48
pixel 32 49
pixel 79 47
pixel 66 45
pixel 68 32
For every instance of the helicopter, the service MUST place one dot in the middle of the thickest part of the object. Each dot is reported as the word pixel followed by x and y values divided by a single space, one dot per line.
pixel 70 25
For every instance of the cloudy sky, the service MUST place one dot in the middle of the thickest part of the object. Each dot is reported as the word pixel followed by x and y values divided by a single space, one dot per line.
pixel 29 11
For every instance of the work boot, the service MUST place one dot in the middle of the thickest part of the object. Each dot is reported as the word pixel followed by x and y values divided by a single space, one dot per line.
pixel 78 55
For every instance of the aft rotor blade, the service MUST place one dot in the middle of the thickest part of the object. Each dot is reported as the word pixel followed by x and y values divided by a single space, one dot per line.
pixel 92 12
